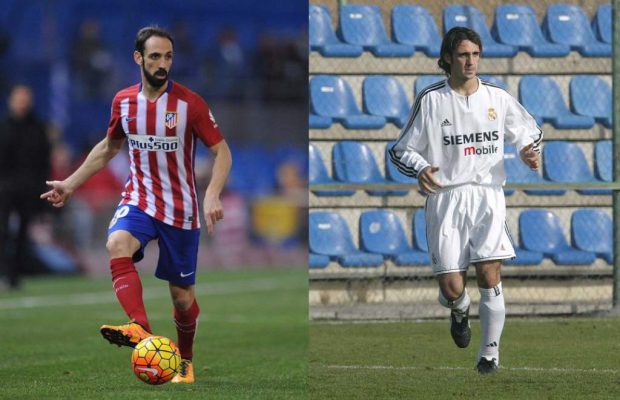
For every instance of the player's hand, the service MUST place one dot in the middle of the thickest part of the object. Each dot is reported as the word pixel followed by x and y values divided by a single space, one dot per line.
pixel 427 181
pixel 530 157
pixel 59 195
pixel 212 207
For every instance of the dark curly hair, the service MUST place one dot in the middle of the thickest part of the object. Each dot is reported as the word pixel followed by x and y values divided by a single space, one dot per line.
pixel 452 39
pixel 145 33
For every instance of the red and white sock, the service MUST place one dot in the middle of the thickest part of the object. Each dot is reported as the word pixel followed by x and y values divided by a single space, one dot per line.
pixel 128 289
pixel 186 322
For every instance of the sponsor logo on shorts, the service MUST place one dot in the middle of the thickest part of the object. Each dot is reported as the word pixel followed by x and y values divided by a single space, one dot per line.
pixel 186 275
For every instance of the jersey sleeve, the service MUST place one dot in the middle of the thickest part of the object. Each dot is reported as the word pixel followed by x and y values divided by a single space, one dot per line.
pixel 412 141
pixel 115 127
pixel 204 125
pixel 520 127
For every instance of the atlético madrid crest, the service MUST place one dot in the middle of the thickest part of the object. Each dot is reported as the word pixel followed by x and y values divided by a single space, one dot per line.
pixel 491 114
pixel 171 119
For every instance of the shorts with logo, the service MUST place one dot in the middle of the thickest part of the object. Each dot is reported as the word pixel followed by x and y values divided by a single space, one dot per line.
pixel 178 248
pixel 466 224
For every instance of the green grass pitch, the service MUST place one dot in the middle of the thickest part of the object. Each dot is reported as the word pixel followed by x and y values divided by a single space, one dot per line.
pixel 251 341
pixel 554 358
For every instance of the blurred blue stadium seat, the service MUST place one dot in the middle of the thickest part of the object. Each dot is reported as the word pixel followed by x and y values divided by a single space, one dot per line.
pixel 524 257
pixel 318 121
pixel 323 39
pixel 384 96
pixel 568 24
pixel 518 172
pixel 601 23
pixel 415 26
pixel 603 160
pixel 418 230
pixel 330 236
pixel 381 232
pixel 353 162
pixel 392 173
pixel 592 231
pixel 471 17
pixel 541 230
pixel 318 174
pixel 516 25
pixel 331 96
pixel 317 261
pixel 542 97
pixel 591 96
pixel 424 81
pixel 565 162
pixel 495 80
pixel 363 25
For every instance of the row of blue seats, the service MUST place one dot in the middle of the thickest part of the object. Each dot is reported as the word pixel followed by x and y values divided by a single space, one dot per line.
pixel 381 237
pixel 563 162
pixel 565 27
pixel 384 100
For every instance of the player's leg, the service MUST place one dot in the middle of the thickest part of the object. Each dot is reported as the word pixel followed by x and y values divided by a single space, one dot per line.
pixel 178 253
pixel 492 314
pixel 127 236
pixel 186 313
pixel 453 295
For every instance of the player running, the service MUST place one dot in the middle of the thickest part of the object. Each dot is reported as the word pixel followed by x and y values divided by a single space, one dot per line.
pixel 161 121
pixel 454 144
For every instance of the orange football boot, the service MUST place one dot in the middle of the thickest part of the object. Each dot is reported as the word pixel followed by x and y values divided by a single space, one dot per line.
pixel 186 372
pixel 124 335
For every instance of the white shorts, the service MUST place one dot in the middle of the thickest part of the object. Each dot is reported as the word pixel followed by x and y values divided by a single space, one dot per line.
pixel 466 224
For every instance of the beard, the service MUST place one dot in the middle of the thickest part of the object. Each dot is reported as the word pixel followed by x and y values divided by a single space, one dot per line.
pixel 153 79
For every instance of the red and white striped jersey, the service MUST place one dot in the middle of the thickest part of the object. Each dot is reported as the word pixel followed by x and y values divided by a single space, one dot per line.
pixel 162 147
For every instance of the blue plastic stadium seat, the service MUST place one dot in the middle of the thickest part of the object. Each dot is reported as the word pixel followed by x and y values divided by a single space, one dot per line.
pixel 318 174
pixel 418 229
pixel 541 230
pixel 353 162
pixel 363 25
pixel 603 160
pixel 317 261
pixel 392 173
pixel 424 81
pixel 516 25
pixel 330 236
pixel 319 122
pixel 524 257
pixel 495 80
pixel 542 97
pixel 384 96
pixel 331 96
pixel 568 24
pixel 471 17
pixel 323 39
pixel 415 26
pixel 592 231
pixel 601 23
pixel 518 172
pixel 565 162
pixel 591 96
pixel 381 232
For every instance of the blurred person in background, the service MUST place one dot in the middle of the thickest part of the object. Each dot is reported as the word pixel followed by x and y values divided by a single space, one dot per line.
pixel 225 67
pixel 92 62
pixel 24 163
pixel 162 121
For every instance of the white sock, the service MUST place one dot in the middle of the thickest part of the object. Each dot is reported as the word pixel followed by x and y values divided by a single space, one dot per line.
pixel 460 305
pixel 492 315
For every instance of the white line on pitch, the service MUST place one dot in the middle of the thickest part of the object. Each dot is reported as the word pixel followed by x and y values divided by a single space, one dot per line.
pixel 151 292
pixel 532 369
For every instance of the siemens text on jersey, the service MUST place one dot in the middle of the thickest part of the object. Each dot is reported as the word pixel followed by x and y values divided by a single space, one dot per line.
pixel 477 137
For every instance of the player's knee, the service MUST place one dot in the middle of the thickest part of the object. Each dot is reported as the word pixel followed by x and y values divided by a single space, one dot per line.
pixel 119 247
pixel 182 299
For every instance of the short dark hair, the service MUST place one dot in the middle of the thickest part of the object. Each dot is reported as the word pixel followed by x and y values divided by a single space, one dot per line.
pixel 452 39
pixel 145 33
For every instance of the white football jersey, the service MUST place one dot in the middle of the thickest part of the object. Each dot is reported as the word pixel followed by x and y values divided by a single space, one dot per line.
pixel 463 135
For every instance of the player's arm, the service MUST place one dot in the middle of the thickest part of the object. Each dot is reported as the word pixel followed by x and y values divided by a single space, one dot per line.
pixel 523 131
pixel 212 206
pixel 98 157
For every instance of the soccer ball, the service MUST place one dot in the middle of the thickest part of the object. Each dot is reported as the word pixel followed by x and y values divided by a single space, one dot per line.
pixel 155 360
